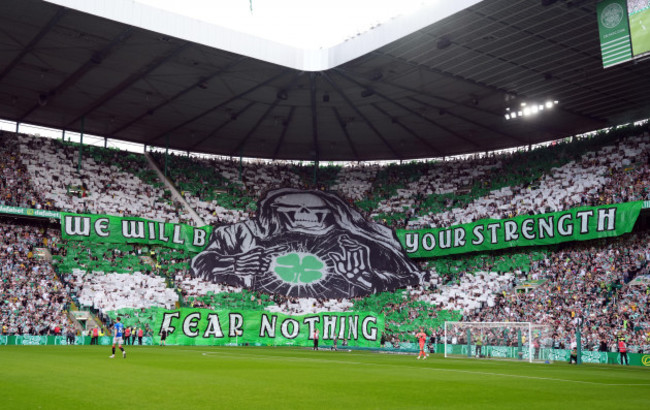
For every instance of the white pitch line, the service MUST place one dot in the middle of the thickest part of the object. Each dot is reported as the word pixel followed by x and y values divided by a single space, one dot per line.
pixel 274 357
pixel 540 378
pixel 302 359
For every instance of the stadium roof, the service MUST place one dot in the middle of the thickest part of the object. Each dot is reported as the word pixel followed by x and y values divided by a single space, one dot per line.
pixel 308 35
pixel 441 90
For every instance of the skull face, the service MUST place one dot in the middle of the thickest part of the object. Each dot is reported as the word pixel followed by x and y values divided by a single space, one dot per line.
pixel 303 212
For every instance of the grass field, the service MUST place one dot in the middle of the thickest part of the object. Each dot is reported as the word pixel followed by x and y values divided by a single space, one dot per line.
pixel 640 31
pixel 83 377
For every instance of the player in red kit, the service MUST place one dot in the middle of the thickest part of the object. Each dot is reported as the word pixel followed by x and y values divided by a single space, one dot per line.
pixel 422 339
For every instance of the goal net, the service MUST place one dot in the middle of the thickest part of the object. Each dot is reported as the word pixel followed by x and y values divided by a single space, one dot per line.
pixel 499 340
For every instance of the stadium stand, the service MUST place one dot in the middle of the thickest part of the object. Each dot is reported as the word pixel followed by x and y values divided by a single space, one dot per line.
pixel 14 178
pixel 593 280
pixel 33 299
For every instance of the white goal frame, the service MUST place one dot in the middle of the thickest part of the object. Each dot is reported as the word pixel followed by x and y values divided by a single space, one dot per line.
pixel 526 348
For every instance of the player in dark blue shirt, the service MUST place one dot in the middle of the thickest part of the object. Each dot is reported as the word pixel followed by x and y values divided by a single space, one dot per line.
pixel 118 334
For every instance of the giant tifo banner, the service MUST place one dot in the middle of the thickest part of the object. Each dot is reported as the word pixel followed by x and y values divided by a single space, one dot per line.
pixel 300 244
pixel 115 229
pixel 313 244
pixel 188 326
pixel 306 244
pixel 578 224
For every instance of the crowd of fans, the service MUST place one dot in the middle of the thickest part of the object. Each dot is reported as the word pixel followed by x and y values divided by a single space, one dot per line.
pixel 15 187
pixel 586 284
pixel 113 291
pixel 108 182
pixel 545 180
pixel 33 301
pixel 597 170
pixel 635 6
pixel 604 169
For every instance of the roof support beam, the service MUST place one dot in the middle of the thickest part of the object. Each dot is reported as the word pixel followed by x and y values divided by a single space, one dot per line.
pixel 467 80
pixel 243 142
pixel 314 117
pixel 412 111
pixel 233 117
pixel 93 62
pixel 407 129
pixel 132 79
pixel 239 149
pixel 285 127
pixel 179 95
pixel 472 107
pixel 61 11
pixel 346 133
pixel 216 107
pixel 460 117
pixel 360 114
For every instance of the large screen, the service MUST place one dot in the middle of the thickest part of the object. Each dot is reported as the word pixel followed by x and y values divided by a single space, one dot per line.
pixel 614 32
pixel 639 21
pixel 623 27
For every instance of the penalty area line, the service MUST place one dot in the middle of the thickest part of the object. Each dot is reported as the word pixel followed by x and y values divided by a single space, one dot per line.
pixel 272 357
pixel 541 378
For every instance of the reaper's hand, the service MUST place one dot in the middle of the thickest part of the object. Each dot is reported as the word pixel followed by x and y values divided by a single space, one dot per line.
pixel 257 260
pixel 250 262
pixel 352 262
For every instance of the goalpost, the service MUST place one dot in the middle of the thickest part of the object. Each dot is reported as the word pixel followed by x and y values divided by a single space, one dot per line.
pixel 499 340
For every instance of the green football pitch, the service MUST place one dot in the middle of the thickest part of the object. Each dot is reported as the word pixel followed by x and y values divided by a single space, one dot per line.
pixel 640 31
pixel 84 377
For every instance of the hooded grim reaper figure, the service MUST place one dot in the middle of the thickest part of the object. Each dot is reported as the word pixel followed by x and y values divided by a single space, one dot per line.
pixel 306 244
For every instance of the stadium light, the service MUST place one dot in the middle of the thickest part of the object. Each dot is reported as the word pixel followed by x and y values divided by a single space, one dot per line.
pixel 528 109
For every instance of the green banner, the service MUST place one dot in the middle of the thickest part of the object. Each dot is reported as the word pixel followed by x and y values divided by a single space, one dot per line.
pixel 613 27
pixel 578 224
pixel 191 327
pixel 115 229
pixel 15 210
